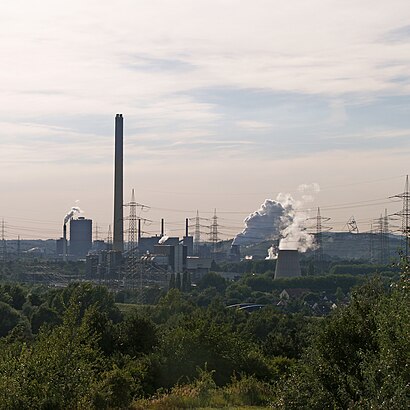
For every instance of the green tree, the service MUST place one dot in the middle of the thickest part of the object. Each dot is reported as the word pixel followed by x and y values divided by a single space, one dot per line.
pixel 358 357
pixel 9 318
pixel 214 280
pixel 44 315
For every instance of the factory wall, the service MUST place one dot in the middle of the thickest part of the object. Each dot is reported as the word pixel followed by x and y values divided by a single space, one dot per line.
pixel 80 236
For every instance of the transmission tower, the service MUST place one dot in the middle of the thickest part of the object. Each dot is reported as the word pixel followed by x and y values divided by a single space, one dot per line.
pixel 132 224
pixel 132 258
pixel 109 236
pixel 386 232
pixel 96 233
pixel 319 240
pixel 404 214
pixel 371 243
pixel 352 225
pixel 197 233
pixel 214 232
pixel 382 229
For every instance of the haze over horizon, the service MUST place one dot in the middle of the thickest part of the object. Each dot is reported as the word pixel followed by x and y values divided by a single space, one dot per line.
pixel 225 104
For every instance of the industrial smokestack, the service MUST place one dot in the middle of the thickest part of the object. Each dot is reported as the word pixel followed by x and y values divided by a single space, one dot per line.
pixel 65 241
pixel 118 244
pixel 162 227
pixel 287 264
pixel 186 227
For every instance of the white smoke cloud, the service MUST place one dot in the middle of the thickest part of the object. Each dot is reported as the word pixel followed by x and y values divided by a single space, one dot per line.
pixel 295 236
pixel 263 224
pixel 280 219
pixel 71 213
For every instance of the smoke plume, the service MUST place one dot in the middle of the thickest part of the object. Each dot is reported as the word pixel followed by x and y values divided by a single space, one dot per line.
pixel 71 213
pixel 280 219
pixel 263 224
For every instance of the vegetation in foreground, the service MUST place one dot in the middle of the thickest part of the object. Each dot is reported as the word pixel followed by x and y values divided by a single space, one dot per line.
pixel 73 348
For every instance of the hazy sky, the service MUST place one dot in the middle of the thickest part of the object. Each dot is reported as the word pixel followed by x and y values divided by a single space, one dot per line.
pixel 225 103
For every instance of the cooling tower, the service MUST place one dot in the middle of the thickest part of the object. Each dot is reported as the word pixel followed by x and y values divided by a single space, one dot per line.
pixel 118 243
pixel 287 264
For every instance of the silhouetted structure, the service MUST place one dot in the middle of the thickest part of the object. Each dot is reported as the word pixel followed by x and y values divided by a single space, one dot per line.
pixel 80 236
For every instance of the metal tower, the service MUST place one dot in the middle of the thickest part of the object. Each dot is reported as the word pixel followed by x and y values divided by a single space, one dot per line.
pixel 319 240
pixel 371 243
pixel 109 236
pixel 132 224
pixel 132 258
pixel 214 231
pixel 404 214
pixel 386 250
pixel 352 225
pixel 197 233
pixel 96 233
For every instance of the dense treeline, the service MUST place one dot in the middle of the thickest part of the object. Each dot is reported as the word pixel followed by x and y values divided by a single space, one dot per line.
pixel 77 348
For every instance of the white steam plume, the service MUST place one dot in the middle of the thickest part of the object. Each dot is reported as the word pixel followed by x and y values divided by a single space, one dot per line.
pixel 263 224
pixel 71 213
pixel 272 253
pixel 280 219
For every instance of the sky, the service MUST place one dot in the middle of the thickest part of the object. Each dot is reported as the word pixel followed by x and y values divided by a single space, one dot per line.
pixel 226 103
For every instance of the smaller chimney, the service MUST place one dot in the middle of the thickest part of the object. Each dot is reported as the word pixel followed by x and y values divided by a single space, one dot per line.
pixel 65 242
pixel 162 227
pixel 186 227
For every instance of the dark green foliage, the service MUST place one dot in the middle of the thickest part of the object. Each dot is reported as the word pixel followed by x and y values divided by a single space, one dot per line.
pixel 136 335
pixel 9 319
pixel 44 315
pixel 17 295
pixel 213 280
pixel 114 390
pixel 361 269
pixel 358 357
pixel 87 354
pixel 57 372
pixel 87 295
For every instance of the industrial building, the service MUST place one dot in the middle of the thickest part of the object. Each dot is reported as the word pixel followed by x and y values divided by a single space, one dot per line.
pixel 80 236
